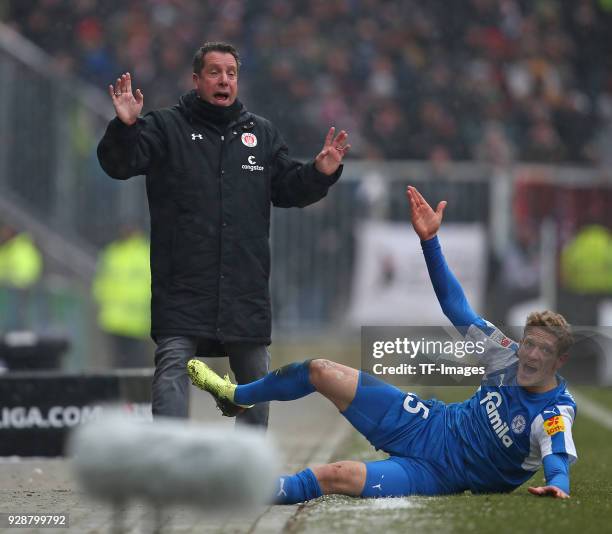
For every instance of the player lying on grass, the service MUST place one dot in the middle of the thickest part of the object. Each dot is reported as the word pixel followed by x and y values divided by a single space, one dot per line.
pixel 520 417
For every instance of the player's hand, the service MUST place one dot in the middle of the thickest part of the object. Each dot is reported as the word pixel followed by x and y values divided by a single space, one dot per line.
pixel 127 105
pixel 548 491
pixel 425 221
pixel 333 151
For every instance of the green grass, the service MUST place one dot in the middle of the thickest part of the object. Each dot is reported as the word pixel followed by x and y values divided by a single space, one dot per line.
pixel 602 396
pixel 589 509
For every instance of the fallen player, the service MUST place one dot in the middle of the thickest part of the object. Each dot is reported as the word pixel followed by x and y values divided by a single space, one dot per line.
pixel 519 419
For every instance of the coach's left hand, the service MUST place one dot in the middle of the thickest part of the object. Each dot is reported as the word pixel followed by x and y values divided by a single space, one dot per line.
pixel 550 491
pixel 332 153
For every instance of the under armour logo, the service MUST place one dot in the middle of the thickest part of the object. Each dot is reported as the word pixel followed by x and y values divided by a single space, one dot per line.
pixel 196 136
pixel 281 491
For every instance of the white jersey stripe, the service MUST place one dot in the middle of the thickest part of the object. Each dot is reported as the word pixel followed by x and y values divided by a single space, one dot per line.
pixel 568 414
pixel 540 443
pixel 534 459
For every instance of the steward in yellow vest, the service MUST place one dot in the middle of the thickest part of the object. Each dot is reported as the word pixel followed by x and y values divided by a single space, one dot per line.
pixel 20 261
pixel 122 287
pixel 586 261
pixel 21 267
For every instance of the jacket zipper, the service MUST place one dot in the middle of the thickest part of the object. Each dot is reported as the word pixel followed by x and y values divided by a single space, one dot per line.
pixel 221 236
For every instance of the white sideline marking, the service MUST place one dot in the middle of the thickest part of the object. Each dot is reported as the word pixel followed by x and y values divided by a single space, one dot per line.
pixel 370 505
pixel 594 411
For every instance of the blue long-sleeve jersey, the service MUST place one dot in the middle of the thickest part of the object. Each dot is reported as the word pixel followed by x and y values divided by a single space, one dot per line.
pixel 502 435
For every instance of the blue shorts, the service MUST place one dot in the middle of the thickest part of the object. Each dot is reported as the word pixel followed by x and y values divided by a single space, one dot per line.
pixel 412 431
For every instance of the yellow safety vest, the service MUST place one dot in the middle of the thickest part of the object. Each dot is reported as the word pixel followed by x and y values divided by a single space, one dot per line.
pixel 21 263
pixel 122 288
pixel 586 261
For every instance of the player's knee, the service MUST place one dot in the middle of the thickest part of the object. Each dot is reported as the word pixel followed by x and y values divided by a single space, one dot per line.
pixel 339 477
pixel 320 372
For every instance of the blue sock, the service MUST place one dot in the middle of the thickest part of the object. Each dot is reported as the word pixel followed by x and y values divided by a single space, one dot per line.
pixel 302 486
pixel 287 383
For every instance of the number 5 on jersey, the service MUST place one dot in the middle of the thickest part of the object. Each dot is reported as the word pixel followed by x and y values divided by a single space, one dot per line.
pixel 411 407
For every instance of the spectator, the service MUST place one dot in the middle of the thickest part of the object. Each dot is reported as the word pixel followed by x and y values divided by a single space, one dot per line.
pixel 448 66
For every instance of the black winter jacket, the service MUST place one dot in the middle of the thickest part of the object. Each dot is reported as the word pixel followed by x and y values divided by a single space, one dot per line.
pixel 209 193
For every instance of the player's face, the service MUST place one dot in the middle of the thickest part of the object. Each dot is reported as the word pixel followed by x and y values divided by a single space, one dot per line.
pixel 539 360
pixel 217 83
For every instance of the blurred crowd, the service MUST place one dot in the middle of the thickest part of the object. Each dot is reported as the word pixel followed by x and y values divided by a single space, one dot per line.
pixel 495 80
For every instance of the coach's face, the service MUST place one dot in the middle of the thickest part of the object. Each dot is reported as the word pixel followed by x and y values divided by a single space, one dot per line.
pixel 539 360
pixel 217 82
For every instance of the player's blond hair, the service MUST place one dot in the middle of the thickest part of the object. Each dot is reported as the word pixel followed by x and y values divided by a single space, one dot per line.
pixel 554 323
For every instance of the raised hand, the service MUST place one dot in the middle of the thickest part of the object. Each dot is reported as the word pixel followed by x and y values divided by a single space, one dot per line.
pixel 548 491
pixel 332 153
pixel 425 220
pixel 127 105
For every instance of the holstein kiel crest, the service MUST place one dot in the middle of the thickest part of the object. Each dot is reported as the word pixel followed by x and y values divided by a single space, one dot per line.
pixel 249 139
pixel 518 424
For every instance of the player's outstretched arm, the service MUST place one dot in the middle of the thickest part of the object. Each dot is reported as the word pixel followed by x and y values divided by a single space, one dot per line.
pixel 556 472
pixel 426 223
pixel 548 491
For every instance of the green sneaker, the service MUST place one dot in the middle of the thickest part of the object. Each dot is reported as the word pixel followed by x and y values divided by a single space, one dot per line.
pixel 221 389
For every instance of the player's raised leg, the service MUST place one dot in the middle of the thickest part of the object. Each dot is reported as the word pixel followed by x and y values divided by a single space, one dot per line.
pixel 335 381
pixel 361 398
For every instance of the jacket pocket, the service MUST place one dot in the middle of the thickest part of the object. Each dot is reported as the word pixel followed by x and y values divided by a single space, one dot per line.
pixel 194 259
pixel 184 191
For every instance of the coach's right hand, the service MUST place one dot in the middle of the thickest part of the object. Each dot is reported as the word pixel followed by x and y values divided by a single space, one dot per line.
pixel 127 105
pixel 425 221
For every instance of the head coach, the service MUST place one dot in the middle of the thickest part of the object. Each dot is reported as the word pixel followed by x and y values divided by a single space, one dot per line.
pixel 213 170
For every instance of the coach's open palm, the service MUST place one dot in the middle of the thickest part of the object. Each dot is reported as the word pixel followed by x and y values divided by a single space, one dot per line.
pixel 127 105
pixel 333 152
pixel 425 220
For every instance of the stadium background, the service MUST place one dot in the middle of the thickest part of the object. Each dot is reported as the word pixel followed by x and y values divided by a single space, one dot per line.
pixel 501 107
